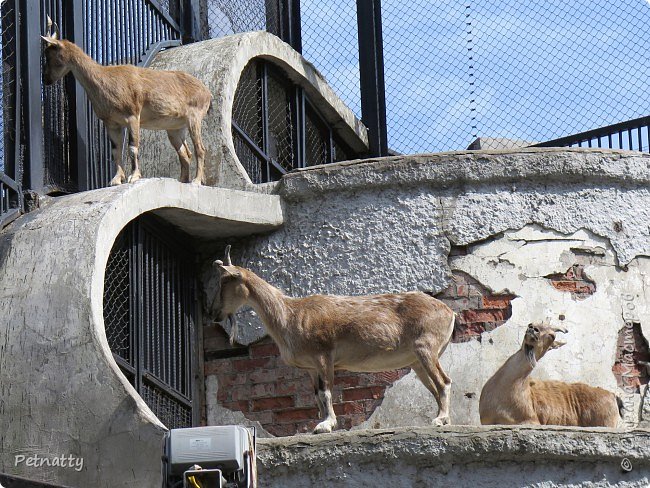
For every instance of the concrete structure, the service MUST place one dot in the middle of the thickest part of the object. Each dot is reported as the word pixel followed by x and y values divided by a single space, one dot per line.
pixel 62 392
pixel 505 237
pixel 521 224
pixel 219 64
pixel 493 457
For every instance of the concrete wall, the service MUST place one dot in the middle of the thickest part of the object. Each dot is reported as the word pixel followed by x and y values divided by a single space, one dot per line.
pixel 219 64
pixel 518 223
pixel 61 392
pixel 458 456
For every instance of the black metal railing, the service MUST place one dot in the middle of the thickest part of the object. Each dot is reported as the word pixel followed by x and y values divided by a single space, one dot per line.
pixel 10 119
pixel 276 128
pixel 150 316
pixel 633 135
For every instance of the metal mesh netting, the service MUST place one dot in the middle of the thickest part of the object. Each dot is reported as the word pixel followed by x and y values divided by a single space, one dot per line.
pixel 171 413
pixel 315 139
pixel 495 69
pixel 117 295
pixel 225 17
pixel 281 140
pixel 330 39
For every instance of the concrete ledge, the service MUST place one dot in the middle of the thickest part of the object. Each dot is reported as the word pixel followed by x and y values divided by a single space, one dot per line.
pixel 444 170
pixel 457 456
pixel 219 64
pixel 62 392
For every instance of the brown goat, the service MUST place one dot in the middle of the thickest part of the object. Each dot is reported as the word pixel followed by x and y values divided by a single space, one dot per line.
pixel 130 97
pixel 323 333
pixel 511 397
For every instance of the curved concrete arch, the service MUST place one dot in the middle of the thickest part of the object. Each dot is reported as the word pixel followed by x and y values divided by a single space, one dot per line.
pixel 61 388
pixel 219 64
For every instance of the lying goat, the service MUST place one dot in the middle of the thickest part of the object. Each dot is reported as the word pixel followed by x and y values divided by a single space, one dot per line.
pixel 511 397
pixel 323 333
pixel 129 97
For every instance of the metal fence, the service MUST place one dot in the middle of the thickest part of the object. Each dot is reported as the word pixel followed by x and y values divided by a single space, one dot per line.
pixel 150 315
pixel 10 120
pixel 495 69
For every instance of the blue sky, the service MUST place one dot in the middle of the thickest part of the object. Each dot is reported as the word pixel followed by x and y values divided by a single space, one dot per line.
pixel 540 70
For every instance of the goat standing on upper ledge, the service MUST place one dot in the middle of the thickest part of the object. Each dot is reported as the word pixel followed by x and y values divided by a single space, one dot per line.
pixel 511 397
pixel 323 333
pixel 130 97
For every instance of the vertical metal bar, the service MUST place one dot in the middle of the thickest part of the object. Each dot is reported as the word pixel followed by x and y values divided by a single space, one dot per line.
pixel 78 129
pixel 32 115
pixel 609 140
pixel 265 121
pixel 620 139
pixel 640 139
pixel 629 138
pixel 371 68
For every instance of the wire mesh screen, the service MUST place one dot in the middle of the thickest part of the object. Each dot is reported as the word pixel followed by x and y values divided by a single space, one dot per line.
pixel 330 40
pixel 120 32
pixel 117 298
pixel 60 169
pixel 500 70
pixel 225 17
pixel 281 142
pixel 149 317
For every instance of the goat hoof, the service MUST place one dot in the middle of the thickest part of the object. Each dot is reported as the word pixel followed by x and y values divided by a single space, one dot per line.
pixel 134 177
pixel 439 421
pixel 323 428
pixel 197 181
pixel 116 181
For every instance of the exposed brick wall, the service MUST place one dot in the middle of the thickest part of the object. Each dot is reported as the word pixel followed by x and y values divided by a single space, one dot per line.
pixel 575 281
pixel 477 309
pixel 631 348
pixel 256 382
pixel 281 397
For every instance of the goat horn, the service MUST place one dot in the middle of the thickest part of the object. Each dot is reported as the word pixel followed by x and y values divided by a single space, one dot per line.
pixel 218 262
pixel 227 258
pixel 560 329
pixel 49 29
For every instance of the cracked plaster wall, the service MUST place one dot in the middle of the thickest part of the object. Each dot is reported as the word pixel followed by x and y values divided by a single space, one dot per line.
pixel 387 225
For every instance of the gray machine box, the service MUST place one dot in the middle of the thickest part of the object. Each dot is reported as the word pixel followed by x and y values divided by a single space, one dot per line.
pixel 222 447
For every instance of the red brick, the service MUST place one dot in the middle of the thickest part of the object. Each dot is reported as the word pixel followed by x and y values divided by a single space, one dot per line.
pixel 263 417
pixel 564 285
pixel 346 408
pixel 262 390
pixel 293 386
pixel 263 376
pixel 220 366
pixel 347 380
pixel 249 364
pixel 264 350
pixel 281 430
pixel 497 301
pixel 305 399
pixel 363 393
pixel 238 406
pixel 294 414
pixel 272 403
pixel 485 315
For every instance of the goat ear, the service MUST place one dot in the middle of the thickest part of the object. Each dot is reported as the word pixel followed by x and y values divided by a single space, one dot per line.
pixel 49 41
pixel 557 344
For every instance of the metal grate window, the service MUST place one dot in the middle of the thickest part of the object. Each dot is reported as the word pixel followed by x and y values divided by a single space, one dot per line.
pixel 150 316
pixel 276 128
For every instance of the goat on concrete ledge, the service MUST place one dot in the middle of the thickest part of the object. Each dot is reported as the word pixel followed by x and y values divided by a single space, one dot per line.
pixel 511 397
pixel 130 97
pixel 323 333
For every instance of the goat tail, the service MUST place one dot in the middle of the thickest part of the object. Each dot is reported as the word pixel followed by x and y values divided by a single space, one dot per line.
pixel 233 328
pixel 621 406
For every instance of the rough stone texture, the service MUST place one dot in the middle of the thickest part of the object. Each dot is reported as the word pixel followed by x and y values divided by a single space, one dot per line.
pixel 387 225
pixel 61 391
pixel 255 387
pixel 458 456
pixel 219 64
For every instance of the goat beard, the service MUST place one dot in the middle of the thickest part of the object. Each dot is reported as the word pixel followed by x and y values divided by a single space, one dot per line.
pixel 530 355
pixel 233 328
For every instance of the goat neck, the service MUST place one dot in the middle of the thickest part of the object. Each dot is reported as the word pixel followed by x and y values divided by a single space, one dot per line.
pixel 269 303
pixel 84 68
